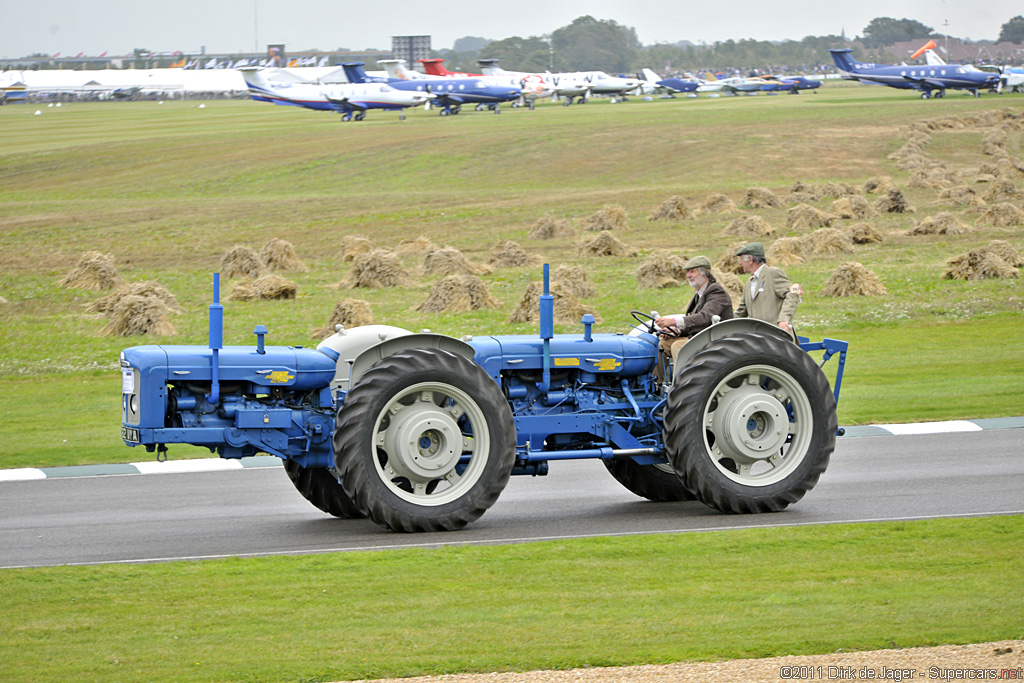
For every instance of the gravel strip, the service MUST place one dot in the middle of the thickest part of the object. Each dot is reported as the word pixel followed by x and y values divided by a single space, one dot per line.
pixel 1003 660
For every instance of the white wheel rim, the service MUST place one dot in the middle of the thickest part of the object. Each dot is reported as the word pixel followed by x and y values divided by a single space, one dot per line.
pixel 757 425
pixel 422 440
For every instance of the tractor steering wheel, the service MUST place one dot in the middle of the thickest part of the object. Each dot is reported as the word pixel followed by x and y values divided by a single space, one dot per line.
pixel 646 320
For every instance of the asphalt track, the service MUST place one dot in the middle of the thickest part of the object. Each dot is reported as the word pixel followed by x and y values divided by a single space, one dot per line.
pixel 255 511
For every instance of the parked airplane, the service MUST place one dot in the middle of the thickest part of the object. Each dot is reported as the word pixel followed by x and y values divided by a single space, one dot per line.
pixel 653 83
pixel 572 85
pixel 925 79
pixel 533 86
pixel 800 83
pixel 448 93
pixel 1009 77
pixel 351 99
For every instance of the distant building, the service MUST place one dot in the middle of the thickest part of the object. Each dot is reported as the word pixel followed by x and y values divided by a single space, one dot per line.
pixel 410 48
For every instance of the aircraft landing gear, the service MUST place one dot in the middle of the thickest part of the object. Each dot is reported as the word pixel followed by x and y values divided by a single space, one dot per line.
pixel 567 101
pixel 360 116
pixel 456 109
pixel 530 105
pixel 347 116
pixel 479 107
pixel 974 91
pixel 925 95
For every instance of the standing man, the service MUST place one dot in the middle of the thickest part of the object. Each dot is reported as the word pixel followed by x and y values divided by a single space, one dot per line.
pixel 709 299
pixel 769 295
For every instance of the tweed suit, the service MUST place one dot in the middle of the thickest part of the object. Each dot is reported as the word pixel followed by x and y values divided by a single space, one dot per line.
pixel 773 302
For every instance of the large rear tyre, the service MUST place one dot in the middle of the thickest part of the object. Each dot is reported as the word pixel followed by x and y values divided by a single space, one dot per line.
pixel 659 483
pixel 750 424
pixel 425 441
pixel 320 487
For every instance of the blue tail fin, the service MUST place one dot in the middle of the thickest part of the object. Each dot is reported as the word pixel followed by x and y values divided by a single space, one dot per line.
pixel 355 73
pixel 843 60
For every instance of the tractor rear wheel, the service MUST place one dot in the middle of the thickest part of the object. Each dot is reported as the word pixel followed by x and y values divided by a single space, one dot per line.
pixel 425 441
pixel 659 483
pixel 750 424
pixel 320 487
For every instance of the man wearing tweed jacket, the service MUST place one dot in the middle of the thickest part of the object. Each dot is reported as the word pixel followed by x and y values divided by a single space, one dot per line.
pixel 769 295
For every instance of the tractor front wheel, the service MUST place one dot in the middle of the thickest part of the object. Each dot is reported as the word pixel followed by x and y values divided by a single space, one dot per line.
pixel 320 486
pixel 750 424
pixel 425 441
pixel 659 482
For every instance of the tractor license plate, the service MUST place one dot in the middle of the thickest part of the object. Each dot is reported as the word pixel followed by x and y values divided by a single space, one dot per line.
pixel 130 434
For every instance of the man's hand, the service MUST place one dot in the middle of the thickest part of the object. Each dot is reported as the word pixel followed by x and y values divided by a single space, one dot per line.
pixel 667 326
pixel 785 325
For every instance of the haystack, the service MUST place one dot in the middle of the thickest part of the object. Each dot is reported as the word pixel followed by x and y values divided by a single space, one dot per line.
pixel 800 191
pixel 804 216
pixel 748 226
pixel 414 247
pixel 264 288
pixel 853 206
pixel 727 262
pixel 828 241
pixel 94 270
pixel 978 264
pixel 241 261
pixel 761 198
pixel 1010 167
pixel 612 217
pixel 279 254
pixel 354 246
pixel 508 254
pixel 839 190
pixel 893 202
pixel 458 294
pixel 1003 190
pixel 155 290
pixel 1007 252
pixel 568 309
pixel 450 261
pixel 879 184
pixel 548 227
pixel 575 280
pixel 672 209
pixel 733 285
pixel 960 195
pixel 134 314
pixel 718 203
pixel 1003 215
pixel 604 244
pixel 662 269
pixel 785 251
pixel 348 313
pixel 863 233
pixel 853 279
pixel 943 223
pixel 377 269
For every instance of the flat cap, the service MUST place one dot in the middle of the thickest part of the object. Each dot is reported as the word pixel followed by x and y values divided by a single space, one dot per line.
pixel 753 248
pixel 698 262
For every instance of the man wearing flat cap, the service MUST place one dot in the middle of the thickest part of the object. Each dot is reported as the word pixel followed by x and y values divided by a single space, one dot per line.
pixel 769 295
pixel 709 299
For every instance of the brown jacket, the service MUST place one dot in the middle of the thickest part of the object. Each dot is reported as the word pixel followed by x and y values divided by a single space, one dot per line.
pixel 715 301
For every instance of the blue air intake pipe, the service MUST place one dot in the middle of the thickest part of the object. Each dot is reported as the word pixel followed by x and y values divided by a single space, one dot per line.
pixel 216 340
pixel 547 328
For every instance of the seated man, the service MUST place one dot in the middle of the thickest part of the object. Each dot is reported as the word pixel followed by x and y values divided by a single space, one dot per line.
pixel 709 300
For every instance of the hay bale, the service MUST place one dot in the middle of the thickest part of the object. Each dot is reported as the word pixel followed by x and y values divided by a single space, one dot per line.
pixel 348 313
pixel 828 241
pixel 661 269
pixel 1007 252
pixel 264 288
pixel 854 206
pixel 960 195
pixel 354 246
pixel 893 202
pixel 377 269
pixel 978 264
pixel 575 280
pixel 853 279
pixel 943 223
pixel 413 247
pixel 748 226
pixel 672 209
pixel 727 262
pixel 279 254
pixel 93 270
pixel 786 251
pixel 718 203
pixel 548 227
pixel 1002 190
pixel 107 304
pixel 450 261
pixel 879 184
pixel 458 294
pixel 863 233
pixel 134 315
pixel 568 310
pixel 804 216
pixel 1003 215
pixel 761 198
pixel 508 254
pixel 611 217
pixel 604 244
pixel 241 261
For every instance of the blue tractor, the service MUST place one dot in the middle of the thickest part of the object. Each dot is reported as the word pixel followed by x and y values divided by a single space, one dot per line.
pixel 421 432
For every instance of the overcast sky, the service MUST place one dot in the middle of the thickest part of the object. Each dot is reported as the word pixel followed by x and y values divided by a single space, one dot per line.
pixel 119 26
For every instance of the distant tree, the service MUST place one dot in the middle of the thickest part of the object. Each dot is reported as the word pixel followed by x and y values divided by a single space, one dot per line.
pixel 1013 30
pixel 884 31
pixel 520 54
pixel 591 44
pixel 470 44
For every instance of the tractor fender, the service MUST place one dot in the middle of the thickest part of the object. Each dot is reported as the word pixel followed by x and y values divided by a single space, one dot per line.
pixel 397 344
pixel 345 345
pixel 724 329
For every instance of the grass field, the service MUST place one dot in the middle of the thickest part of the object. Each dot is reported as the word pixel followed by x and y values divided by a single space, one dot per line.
pixel 168 188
